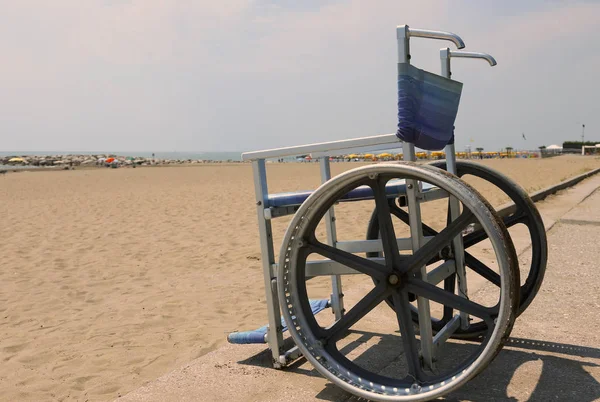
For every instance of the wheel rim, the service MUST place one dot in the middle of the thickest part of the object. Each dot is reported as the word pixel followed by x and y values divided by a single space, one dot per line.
pixel 319 344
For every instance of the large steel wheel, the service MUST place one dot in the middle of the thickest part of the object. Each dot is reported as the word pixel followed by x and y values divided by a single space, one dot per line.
pixel 524 213
pixel 396 276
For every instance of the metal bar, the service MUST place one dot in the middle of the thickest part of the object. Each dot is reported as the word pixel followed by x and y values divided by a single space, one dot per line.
pixel 329 267
pixel 322 147
pixel 459 258
pixel 403 37
pixel 505 210
pixel 440 273
pixel 412 199
pixel 291 355
pixel 337 297
pixel 373 246
pixel 426 196
pixel 446 332
pixel 474 55
pixel 454 205
pixel 426 33
pixel 403 34
pixel 433 194
pixel 416 233
pixel 450 151
pixel 274 334
pixel 457 242
pixel 276 212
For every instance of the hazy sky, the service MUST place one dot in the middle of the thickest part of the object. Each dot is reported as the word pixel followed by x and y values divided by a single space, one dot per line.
pixel 192 75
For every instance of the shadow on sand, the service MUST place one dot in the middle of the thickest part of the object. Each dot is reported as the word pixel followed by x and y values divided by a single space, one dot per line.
pixel 525 370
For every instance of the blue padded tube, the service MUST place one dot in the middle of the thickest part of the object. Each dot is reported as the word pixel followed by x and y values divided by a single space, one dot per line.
pixel 259 335
pixel 393 189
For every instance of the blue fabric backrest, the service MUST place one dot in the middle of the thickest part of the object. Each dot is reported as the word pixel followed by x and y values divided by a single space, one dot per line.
pixel 427 107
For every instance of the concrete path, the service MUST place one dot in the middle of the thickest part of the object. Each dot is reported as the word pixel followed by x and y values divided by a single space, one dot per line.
pixel 553 353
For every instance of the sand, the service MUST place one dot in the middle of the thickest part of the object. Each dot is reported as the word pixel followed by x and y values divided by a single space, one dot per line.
pixel 113 277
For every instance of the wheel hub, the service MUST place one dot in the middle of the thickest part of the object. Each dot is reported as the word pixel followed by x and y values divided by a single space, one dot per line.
pixel 393 279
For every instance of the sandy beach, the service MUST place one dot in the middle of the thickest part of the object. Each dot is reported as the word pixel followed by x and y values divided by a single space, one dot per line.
pixel 113 277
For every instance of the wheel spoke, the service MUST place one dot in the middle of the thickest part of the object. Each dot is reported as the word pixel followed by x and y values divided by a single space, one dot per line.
pixel 449 286
pixel 449 282
pixel 479 235
pixel 482 269
pixel 512 220
pixel 427 231
pixel 473 238
pixel 403 216
pixel 360 264
pixel 360 309
pixel 433 293
pixel 386 227
pixel 442 239
pixel 402 307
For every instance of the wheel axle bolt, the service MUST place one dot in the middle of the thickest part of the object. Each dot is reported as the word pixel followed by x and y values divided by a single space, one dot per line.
pixel 373 176
pixel 393 279
pixel 410 186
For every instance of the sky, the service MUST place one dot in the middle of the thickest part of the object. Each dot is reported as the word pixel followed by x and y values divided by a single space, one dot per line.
pixel 234 75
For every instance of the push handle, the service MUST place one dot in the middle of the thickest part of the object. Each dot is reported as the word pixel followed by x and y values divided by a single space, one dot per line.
pixel 473 55
pixel 426 33
pixel 404 33
pixel 446 54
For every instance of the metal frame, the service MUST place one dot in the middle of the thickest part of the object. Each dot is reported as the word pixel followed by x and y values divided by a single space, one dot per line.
pixel 265 213
pixel 413 198
pixel 457 243
pixel 403 35
pixel 323 148
pixel 274 334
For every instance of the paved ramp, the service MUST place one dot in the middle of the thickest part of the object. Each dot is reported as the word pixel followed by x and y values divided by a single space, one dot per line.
pixel 553 354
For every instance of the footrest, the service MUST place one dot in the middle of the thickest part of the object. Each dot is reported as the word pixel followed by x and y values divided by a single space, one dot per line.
pixel 260 335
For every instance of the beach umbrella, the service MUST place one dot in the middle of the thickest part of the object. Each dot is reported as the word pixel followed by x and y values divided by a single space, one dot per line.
pixel 110 160
pixel 369 156
pixel 15 160
pixel 352 156
pixel 384 155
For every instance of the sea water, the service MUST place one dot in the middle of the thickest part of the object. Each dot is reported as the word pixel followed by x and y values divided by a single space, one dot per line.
pixel 212 156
